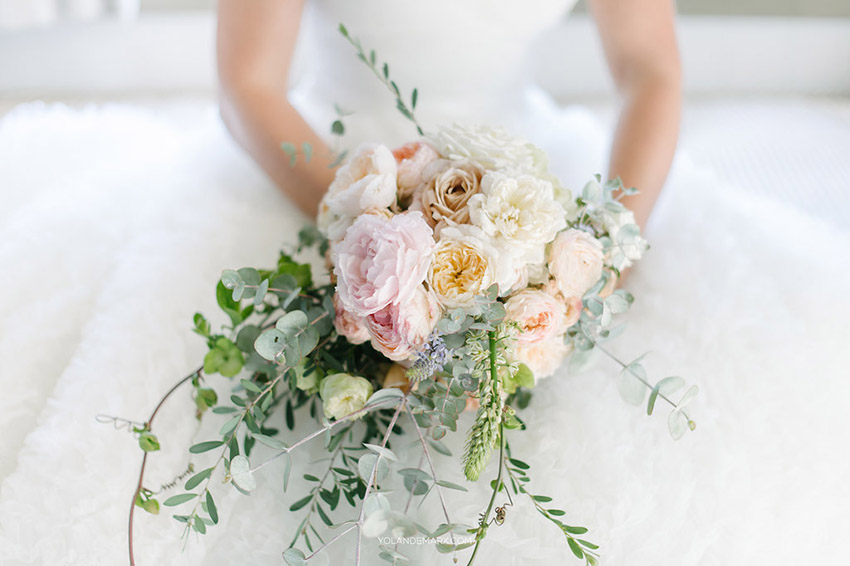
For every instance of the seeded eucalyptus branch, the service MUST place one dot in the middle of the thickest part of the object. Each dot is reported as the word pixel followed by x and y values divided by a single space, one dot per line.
pixel 383 75
pixel 518 474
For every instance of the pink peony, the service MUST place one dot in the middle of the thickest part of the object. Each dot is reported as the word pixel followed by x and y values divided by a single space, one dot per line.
pixel 540 315
pixel 400 329
pixel 348 325
pixel 412 159
pixel 382 262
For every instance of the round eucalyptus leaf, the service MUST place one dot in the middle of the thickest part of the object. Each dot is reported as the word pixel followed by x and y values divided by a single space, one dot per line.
pixel 294 557
pixel 631 389
pixel 240 472
pixel 292 322
pixel 270 344
pixel 230 278
pixel 677 424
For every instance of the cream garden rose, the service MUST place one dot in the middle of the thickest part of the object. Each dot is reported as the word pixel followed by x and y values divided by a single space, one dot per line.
pixel 463 266
pixel 382 261
pixel 540 316
pixel 399 330
pixel 575 261
pixel 343 394
pixel 519 214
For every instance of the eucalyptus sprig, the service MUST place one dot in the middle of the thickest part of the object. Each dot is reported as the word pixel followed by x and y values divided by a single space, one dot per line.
pixel 518 474
pixel 371 60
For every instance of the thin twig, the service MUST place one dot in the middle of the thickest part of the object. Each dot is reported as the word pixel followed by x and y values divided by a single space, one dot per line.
pixel 331 541
pixel 639 378
pixel 147 426
pixel 372 478
pixel 431 466
pixel 320 431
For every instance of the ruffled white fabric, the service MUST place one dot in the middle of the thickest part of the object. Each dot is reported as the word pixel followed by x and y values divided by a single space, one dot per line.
pixel 116 222
pixel 110 249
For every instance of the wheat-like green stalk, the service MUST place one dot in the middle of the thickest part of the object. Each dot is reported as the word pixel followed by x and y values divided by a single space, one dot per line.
pixel 484 434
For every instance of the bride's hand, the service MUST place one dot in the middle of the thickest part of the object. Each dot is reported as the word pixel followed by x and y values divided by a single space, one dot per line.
pixel 255 44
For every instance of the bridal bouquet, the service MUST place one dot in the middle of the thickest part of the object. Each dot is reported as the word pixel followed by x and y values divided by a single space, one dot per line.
pixel 460 273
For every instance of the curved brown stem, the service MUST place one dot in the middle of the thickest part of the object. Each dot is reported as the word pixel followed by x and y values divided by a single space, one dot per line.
pixel 159 405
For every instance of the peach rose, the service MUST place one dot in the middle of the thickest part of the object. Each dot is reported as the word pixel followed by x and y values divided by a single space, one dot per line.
pixel 367 180
pixel 412 159
pixel 540 315
pixel 572 305
pixel 449 186
pixel 348 325
pixel 382 262
pixel 542 358
pixel 575 260
pixel 400 329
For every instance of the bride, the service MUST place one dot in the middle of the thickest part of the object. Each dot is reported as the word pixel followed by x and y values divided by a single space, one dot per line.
pixel 109 251
pixel 466 57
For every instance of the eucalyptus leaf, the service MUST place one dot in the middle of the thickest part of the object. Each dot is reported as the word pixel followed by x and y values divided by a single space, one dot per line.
pixel 175 500
pixel 270 344
pixel 383 452
pixel 631 389
pixel 294 557
pixel 230 279
pixel 271 442
pixel 240 473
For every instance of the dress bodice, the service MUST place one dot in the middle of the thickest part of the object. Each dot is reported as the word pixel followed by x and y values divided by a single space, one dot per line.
pixel 467 58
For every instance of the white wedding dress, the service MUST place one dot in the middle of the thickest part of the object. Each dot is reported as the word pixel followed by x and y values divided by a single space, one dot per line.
pixel 116 223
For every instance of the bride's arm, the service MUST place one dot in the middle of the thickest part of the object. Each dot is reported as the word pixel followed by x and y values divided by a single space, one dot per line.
pixel 255 44
pixel 639 39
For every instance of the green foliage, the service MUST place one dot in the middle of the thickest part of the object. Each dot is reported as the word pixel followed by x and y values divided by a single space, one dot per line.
pixel 148 441
pixel 383 75
pixel 519 479
pixel 224 357
pixel 484 434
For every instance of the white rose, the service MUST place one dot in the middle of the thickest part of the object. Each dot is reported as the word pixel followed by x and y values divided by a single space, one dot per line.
pixel 575 261
pixel 493 148
pixel 366 181
pixel 343 394
pixel 542 358
pixel 519 214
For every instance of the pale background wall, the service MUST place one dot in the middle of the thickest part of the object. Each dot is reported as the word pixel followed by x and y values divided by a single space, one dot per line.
pixel 809 8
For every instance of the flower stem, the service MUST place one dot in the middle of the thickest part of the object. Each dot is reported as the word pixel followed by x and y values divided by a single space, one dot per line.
pixel 483 524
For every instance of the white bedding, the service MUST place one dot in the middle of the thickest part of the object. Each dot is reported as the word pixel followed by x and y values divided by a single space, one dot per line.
pixel 116 221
